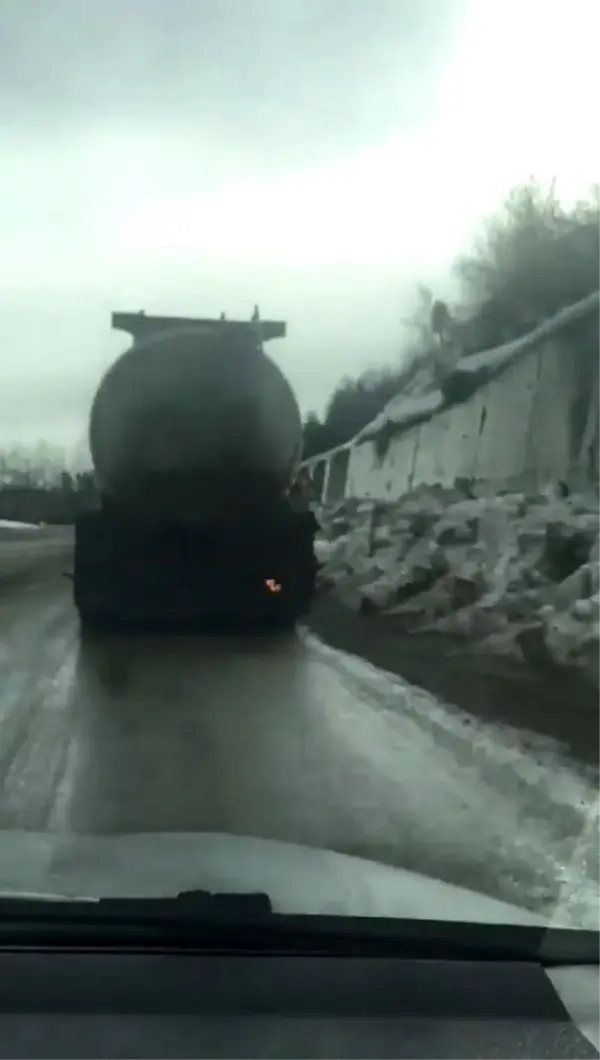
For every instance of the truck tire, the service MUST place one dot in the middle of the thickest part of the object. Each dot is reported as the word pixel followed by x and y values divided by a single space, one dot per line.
pixel 92 572
pixel 95 622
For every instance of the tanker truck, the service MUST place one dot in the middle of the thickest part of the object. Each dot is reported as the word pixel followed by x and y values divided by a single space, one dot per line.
pixel 195 437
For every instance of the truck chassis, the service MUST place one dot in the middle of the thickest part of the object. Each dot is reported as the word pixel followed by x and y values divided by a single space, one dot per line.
pixel 253 575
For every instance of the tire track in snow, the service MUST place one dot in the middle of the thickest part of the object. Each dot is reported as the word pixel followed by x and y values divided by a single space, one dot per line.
pixel 36 713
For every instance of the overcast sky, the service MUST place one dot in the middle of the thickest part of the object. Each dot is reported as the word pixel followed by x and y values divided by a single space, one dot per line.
pixel 318 157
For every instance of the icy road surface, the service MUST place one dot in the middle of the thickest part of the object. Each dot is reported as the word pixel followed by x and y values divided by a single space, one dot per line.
pixel 286 740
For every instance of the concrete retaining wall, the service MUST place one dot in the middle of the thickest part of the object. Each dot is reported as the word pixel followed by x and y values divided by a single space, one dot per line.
pixel 530 416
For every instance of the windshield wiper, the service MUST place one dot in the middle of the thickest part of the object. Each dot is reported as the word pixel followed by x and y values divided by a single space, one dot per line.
pixel 246 922
pixel 196 904
pixel 189 906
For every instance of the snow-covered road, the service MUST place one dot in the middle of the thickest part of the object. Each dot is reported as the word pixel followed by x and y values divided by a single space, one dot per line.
pixel 287 740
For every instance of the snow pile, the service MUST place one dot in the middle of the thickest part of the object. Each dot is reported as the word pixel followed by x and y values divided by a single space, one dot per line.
pixel 516 574
pixel 9 524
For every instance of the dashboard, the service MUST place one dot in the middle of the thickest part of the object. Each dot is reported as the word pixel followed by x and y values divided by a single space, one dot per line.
pixel 109 1004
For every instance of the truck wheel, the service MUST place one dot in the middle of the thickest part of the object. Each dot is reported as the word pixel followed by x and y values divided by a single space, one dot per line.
pixel 95 623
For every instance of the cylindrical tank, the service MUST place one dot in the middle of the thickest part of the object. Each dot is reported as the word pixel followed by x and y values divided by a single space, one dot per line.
pixel 189 422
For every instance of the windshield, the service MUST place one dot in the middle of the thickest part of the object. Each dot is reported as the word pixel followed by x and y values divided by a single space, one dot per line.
pixel 299 455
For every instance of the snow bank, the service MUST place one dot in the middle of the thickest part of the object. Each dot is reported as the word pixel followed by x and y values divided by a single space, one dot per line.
pixel 515 574
pixel 8 524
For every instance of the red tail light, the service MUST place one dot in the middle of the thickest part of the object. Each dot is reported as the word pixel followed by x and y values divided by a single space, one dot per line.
pixel 273 585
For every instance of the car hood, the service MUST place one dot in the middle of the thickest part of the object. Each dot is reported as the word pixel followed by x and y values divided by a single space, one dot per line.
pixel 297 879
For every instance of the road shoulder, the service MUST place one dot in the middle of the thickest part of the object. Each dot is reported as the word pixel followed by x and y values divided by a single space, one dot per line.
pixel 561 704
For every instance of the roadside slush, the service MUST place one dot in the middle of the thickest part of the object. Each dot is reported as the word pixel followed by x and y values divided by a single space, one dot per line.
pixel 558 704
